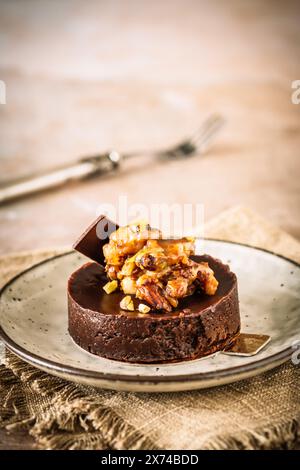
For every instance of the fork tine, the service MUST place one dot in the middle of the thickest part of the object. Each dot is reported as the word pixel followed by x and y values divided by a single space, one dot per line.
pixel 207 130
pixel 190 145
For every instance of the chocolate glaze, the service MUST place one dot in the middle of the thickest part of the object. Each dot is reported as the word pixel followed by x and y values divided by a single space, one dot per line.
pixel 200 325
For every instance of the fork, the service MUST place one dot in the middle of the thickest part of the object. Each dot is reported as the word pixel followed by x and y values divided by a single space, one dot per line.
pixel 90 166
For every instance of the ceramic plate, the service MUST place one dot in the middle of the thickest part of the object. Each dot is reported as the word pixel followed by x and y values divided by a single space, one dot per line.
pixel 33 319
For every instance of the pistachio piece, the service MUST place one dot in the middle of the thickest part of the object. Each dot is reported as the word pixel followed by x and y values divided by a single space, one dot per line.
pixel 144 308
pixel 110 286
pixel 127 303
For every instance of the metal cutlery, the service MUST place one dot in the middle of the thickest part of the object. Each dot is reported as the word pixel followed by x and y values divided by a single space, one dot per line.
pixel 88 167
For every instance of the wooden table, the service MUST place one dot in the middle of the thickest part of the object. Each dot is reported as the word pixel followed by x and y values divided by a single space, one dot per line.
pixel 84 77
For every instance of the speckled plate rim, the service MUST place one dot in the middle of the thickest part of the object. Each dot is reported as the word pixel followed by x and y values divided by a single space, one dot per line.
pixel 211 378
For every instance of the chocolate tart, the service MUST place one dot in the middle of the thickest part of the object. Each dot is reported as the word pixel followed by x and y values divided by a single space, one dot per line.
pixel 201 325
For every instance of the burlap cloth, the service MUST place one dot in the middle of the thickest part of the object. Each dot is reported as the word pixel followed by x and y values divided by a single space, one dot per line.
pixel 262 412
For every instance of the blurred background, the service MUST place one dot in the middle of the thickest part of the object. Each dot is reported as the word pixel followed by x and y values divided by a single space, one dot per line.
pixel 86 76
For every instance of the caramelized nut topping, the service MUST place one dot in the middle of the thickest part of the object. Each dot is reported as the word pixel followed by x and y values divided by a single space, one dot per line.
pixel 157 271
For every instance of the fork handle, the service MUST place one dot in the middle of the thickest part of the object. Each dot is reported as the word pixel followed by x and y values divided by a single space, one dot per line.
pixel 84 168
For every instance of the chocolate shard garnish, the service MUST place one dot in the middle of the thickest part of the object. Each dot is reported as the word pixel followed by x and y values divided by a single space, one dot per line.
pixel 91 242
pixel 247 344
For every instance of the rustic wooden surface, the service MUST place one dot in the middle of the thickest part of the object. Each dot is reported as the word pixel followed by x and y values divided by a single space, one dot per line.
pixel 83 77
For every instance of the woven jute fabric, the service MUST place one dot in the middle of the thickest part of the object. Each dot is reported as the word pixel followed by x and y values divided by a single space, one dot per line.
pixel 259 413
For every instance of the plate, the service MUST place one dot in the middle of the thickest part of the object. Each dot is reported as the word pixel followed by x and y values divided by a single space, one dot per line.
pixel 33 324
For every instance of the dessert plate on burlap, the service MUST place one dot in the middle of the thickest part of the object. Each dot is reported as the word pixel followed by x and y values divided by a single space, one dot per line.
pixel 34 324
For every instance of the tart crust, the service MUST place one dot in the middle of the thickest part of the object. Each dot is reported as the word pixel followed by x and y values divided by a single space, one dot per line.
pixel 201 325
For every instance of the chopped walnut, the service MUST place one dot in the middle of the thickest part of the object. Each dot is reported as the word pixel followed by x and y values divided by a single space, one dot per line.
pixel 154 295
